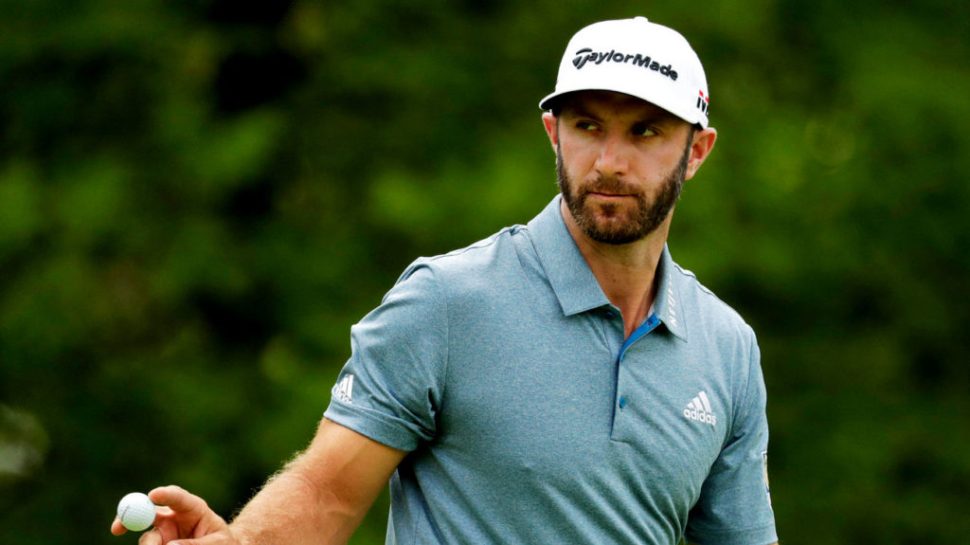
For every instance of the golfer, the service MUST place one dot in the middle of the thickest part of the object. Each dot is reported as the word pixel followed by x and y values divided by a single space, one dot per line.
pixel 563 381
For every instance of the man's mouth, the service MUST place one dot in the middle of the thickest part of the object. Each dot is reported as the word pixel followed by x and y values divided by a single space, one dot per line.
pixel 608 195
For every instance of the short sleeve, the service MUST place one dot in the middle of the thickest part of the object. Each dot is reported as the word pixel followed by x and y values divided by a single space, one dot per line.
pixel 735 504
pixel 390 389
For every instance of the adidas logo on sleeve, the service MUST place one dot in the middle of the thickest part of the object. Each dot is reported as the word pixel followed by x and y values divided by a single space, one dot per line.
pixel 699 410
pixel 344 390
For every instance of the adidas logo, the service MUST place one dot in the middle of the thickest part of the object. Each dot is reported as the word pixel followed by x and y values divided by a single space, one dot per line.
pixel 344 390
pixel 699 409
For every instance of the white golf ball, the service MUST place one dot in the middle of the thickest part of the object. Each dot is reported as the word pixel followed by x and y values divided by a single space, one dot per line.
pixel 136 512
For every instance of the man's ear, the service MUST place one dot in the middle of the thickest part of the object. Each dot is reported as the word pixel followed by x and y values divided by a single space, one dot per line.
pixel 700 148
pixel 551 124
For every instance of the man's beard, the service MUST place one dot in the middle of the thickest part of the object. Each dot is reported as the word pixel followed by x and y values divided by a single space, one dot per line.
pixel 640 222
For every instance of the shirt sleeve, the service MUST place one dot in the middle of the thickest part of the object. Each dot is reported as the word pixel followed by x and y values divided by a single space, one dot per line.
pixel 390 389
pixel 735 503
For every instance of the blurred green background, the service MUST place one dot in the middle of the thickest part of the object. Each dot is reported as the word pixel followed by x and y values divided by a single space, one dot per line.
pixel 199 197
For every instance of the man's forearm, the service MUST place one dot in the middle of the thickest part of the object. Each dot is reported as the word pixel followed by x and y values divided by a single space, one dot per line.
pixel 323 494
pixel 292 510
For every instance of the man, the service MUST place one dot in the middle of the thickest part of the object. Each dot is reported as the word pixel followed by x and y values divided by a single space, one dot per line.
pixel 559 382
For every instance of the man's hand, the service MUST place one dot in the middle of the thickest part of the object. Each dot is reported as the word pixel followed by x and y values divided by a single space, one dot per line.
pixel 318 498
pixel 183 517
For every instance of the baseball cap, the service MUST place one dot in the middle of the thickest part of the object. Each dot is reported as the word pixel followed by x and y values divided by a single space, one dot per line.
pixel 639 58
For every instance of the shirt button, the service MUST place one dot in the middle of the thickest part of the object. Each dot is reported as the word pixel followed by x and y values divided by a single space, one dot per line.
pixel 622 402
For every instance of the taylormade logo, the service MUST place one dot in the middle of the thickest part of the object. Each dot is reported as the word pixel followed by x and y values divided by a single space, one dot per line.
pixel 586 55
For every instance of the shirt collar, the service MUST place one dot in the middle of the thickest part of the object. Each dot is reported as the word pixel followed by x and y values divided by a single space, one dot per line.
pixel 573 281
pixel 667 305
pixel 570 276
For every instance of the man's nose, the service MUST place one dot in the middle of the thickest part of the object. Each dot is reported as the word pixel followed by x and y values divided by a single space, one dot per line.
pixel 614 155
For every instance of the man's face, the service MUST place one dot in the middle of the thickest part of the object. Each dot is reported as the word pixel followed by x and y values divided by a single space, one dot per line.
pixel 621 164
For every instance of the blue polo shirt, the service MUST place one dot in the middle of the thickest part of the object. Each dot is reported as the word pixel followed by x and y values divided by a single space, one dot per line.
pixel 529 419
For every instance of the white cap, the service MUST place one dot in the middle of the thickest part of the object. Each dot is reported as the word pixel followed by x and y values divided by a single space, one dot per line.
pixel 638 58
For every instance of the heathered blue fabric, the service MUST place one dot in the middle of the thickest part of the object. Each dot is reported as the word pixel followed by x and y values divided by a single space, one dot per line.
pixel 501 368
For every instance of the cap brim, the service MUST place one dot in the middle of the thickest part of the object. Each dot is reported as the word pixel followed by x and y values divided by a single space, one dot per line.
pixel 549 101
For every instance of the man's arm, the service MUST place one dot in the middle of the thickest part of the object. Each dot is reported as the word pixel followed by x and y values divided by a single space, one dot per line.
pixel 319 497
pixel 323 494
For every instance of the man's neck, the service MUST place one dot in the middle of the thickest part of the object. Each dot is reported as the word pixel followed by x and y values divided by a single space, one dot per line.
pixel 625 272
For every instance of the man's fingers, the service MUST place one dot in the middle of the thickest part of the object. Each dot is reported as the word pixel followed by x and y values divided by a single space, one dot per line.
pixel 179 513
pixel 151 537
pixel 219 538
pixel 178 500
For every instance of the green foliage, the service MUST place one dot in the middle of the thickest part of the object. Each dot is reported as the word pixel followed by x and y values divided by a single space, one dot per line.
pixel 198 198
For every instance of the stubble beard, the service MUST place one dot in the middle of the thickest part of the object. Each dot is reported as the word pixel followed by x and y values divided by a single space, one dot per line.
pixel 604 222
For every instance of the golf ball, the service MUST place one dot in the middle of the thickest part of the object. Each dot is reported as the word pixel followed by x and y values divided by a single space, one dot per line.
pixel 136 512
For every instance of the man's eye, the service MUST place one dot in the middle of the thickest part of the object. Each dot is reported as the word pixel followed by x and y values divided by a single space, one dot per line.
pixel 586 126
pixel 642 129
